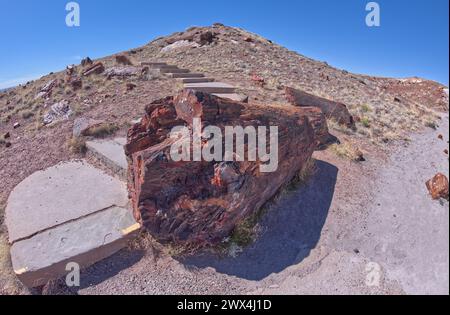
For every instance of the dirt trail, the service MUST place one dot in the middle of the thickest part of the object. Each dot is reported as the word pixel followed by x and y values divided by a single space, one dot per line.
pixel 367 228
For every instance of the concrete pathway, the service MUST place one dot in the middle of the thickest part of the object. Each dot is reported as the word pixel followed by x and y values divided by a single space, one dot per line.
pixel 71 212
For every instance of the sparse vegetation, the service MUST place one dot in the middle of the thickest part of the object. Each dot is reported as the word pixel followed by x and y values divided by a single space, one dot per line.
pixel 365 121
pixel 77 145
pixel 431 124
pixel 365 108
pixel 26 114
pixel 344 150
pixel 102 130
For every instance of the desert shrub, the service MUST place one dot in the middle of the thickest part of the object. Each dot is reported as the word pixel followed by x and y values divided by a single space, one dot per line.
pixel 77 145
pixel 102 131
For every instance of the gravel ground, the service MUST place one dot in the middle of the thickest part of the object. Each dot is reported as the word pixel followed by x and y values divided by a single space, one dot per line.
pixel 356 228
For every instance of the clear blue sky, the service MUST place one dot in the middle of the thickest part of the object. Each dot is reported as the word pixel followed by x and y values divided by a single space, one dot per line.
pixel 412 39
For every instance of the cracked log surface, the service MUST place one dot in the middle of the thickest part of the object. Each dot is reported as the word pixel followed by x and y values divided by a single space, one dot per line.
pixel 201 202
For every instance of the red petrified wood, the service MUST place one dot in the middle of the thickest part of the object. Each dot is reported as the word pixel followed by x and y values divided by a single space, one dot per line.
pixel 201 202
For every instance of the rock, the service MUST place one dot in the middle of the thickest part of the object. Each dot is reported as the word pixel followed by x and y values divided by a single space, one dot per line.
pixel 193 35
pixel 83 126
pixel 16 125
pixel 8 144
pixel 122 72
pixel 438 187
pixel 96 68
pixel 331 109
pixel 86 62
pixel 440 137
pixel 258 80
pixel 319 124
pixel 74 81
pixel 58 111
pixel 202 202
pixel 7 135
pixel 70 70
pixel 206 38
pixel 359 156
pixel 46 90
pixel 446 152
pixel 123 60
pixel 179 45
pixel 130 86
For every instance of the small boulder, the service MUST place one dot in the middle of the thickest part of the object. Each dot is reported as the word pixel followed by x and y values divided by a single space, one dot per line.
pixel 16 125
pixel 258 80
pixel 122 72
pixel 7 135
pixel 331 109
pixel 130 86
pixel 86 62
pixel 438 187
pixel 123 60
pixel 58 111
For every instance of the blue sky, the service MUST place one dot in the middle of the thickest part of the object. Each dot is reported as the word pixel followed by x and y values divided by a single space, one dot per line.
pixel 411 41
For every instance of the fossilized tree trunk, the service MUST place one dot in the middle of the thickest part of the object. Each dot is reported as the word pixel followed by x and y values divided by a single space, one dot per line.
pixel 201 202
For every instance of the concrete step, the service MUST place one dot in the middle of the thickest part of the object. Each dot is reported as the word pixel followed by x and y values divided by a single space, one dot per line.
pixel 69 213
pixel 196 80
pixel 111 153
pixel 234 97
pixel 185 75
pixel 173 70
pixel 211 87
pixel 154 64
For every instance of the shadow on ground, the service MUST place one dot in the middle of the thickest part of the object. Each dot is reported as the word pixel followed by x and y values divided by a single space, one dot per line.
pixel 109 267
pixel 290 230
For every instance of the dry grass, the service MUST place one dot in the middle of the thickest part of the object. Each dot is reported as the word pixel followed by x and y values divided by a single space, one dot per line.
pixel 77 145
pixel 345 150
pixel 102 131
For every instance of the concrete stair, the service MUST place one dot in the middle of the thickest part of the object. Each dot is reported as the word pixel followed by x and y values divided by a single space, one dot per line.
pixel 185 75
pixel 196 80
pixel 110 153
pixel 211 87
pixel 172 70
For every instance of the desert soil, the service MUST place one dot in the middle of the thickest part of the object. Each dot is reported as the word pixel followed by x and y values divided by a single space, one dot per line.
pixel 355 228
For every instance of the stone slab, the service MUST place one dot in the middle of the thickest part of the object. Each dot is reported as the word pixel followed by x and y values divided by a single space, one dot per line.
pixel 84 241
pixel 111 153
pixel 211 87
pixel 234 97
pixel 58 195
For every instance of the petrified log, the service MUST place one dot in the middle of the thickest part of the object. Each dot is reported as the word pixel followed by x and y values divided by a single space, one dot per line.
pixel 200 202
pixel 331 109
pixel 96 68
